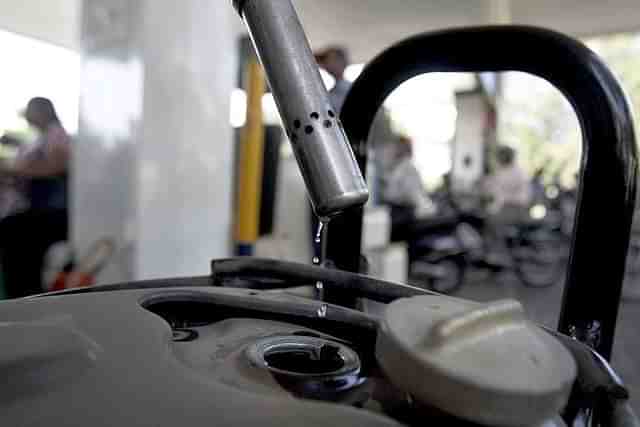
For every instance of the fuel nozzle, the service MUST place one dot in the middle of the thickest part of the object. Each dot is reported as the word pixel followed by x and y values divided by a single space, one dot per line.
pixel 332 176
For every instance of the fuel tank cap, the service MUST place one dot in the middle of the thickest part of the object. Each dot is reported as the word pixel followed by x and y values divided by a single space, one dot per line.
pixel 486 363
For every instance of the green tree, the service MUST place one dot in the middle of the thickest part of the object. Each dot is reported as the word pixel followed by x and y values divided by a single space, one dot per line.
pixel 538 120
pixel 622 53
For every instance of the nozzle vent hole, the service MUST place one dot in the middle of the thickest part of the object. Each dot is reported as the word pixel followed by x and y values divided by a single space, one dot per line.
pixel 331 114
pixel 308 130
pixel 315 116
pixel 328 124
pixel 297 124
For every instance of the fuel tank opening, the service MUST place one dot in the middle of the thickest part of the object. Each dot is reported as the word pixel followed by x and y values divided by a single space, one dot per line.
pixel 305 360
pixel 304 356
pixel 309 367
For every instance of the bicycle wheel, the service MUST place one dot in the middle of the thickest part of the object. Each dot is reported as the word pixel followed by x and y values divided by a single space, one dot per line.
pixel 538 257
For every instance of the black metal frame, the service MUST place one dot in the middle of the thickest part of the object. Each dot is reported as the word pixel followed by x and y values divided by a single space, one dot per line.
pixel 609 163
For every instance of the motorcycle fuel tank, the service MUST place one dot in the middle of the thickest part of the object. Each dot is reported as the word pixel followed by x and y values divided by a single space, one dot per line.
pixel 195 356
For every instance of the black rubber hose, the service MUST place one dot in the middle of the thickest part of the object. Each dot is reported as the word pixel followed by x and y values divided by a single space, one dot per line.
pixel 282 274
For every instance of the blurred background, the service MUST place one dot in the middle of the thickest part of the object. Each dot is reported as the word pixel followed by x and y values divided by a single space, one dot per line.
pixel 149 144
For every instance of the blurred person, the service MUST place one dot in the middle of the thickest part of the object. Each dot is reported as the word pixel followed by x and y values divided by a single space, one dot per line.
pixel 414 215
pixel 443 195
pixel 508 193
pixel 43 167
pixel 45 164
pixel 404 185
pixel 335 60
pixel 508 188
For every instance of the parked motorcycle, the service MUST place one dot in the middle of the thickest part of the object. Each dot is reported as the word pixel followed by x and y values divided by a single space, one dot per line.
pixel 440 261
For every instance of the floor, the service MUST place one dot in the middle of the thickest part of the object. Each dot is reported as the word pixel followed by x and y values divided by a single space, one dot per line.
pixel 543 305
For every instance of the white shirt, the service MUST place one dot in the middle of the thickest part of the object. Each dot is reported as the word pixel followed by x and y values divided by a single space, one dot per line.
pixel 404 187
pixel 338 94
pixel 508 186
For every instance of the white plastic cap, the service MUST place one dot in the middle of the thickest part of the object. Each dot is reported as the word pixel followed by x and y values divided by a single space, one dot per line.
pixel 482 362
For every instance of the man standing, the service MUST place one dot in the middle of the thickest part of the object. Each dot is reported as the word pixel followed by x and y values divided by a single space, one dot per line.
pixel 508 191
pixel 404 186
pixel 335 60
pixel 508 187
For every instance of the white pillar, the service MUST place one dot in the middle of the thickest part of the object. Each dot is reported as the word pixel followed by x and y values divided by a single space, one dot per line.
pixel 153 163
pixel 499 12
pixel 469 144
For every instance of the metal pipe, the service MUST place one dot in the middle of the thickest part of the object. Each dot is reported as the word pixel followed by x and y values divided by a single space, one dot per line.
pixel 609 164
pixel 333 179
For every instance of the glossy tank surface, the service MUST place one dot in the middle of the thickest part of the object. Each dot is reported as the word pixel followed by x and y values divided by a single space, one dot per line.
pixel 103 359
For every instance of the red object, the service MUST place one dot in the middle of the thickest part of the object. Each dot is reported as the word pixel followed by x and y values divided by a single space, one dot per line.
pixel 71 280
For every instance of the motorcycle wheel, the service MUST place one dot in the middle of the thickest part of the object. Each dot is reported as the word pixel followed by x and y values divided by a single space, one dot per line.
pixel 538 258
pixel 450 277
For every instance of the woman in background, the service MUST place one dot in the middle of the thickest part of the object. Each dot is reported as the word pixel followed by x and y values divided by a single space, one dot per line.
pixel 43 167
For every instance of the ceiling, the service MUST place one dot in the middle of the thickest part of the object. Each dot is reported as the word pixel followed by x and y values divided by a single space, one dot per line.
pixel 369 26
pixel 55 21
pixel 365 26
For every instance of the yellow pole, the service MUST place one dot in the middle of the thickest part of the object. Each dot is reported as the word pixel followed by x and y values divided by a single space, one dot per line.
pixel 251 158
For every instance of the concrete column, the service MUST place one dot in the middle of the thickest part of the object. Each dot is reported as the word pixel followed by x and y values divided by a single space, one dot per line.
pixel 499 12
pixel 469 143
pixel 153 163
